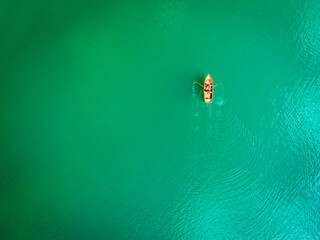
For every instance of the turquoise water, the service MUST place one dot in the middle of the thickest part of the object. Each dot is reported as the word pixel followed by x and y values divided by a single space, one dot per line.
pixel 105 135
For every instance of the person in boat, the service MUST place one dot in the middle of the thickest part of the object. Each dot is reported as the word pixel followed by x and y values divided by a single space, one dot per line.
pixel 208 88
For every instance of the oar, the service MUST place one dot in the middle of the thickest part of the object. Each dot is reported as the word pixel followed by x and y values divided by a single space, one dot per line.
pixel 199 84
pixel 216 84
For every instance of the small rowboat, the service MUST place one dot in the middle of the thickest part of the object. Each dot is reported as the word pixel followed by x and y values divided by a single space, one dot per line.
pixel 208 89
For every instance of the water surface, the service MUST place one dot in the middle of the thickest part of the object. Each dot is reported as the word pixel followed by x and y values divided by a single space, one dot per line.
pixel 104 134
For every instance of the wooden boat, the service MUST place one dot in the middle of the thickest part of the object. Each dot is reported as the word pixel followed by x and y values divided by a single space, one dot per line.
pixel 208 89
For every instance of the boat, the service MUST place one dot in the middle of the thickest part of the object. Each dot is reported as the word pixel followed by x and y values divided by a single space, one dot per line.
pixel 208 89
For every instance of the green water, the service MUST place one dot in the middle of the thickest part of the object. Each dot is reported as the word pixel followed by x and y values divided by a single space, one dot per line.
pixel 104 134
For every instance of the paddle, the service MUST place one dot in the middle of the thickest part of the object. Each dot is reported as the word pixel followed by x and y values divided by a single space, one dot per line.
pixel 199 84
pixel 213 86
pixel 216 84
